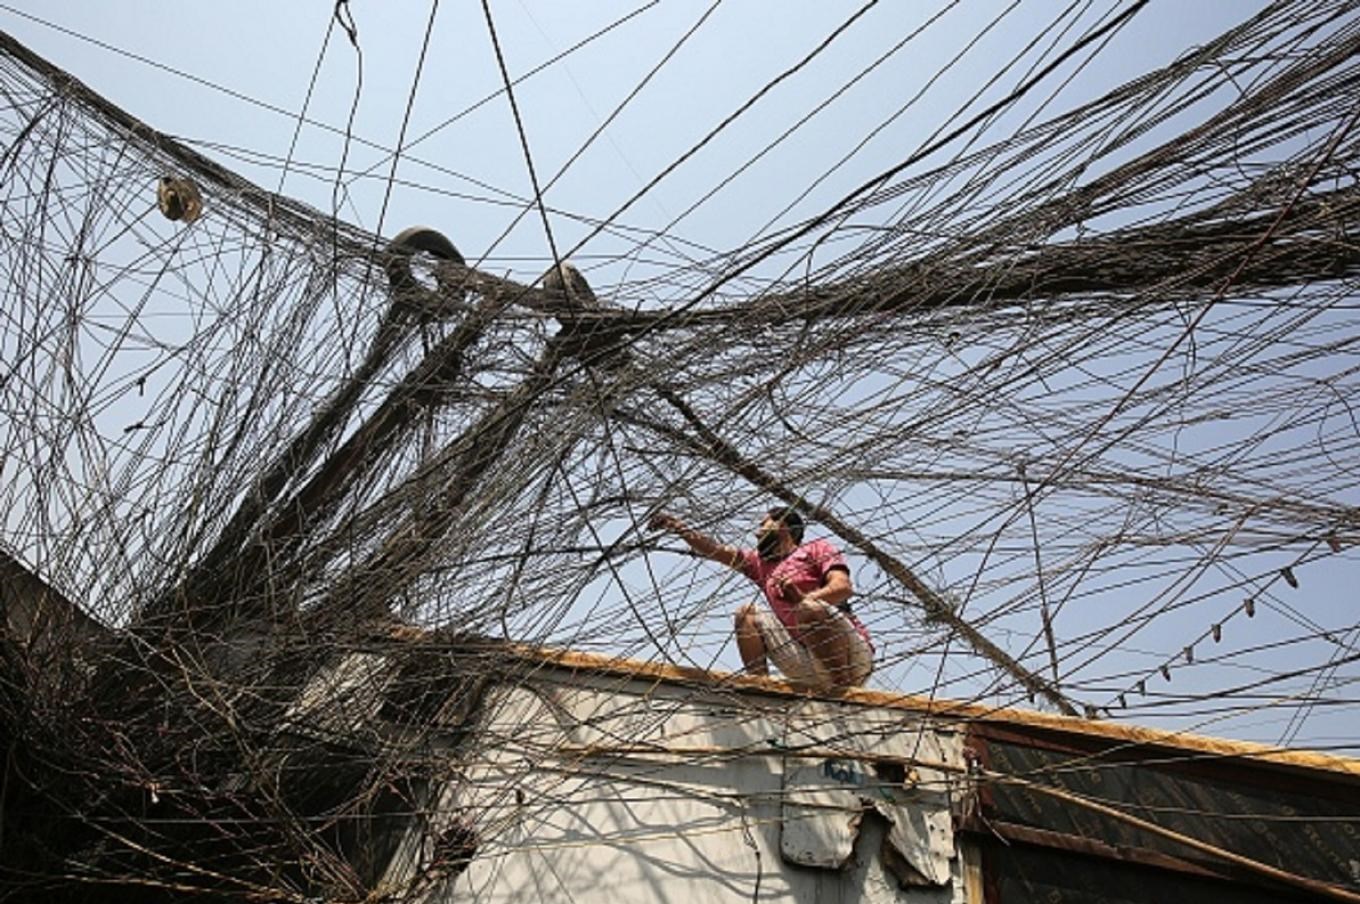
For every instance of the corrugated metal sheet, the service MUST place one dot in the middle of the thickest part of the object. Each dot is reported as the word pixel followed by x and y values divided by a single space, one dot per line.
pixel 1022 874
pixel 1304 827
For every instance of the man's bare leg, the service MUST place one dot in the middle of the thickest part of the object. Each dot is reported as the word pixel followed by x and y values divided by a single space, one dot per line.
pixel 825 641
pixel 750 642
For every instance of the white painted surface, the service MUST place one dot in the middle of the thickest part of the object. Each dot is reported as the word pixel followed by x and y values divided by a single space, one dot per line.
pixel 342 700
pixel 569 810
pixel 825 799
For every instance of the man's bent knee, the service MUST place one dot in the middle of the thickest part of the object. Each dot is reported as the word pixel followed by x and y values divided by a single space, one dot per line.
pixel 745 615
pixel 813 612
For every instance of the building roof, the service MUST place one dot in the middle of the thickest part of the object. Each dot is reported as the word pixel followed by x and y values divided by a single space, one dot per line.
pixel 1135 736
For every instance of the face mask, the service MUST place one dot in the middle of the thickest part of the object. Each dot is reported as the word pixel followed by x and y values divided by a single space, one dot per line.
pixel 767 545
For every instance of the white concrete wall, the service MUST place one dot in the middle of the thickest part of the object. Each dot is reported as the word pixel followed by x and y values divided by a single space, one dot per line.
pixel 567 808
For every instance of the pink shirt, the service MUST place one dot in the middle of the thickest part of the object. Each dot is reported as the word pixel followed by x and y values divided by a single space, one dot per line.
pixel 805 568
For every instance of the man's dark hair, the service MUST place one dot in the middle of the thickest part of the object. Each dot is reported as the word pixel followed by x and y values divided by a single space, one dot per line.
pixel 790 518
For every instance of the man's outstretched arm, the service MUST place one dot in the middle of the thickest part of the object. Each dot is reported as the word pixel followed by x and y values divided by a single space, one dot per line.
pixel 702 544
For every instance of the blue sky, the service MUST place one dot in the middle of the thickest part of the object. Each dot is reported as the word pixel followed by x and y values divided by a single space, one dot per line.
pixel 469 177
pixel 269 89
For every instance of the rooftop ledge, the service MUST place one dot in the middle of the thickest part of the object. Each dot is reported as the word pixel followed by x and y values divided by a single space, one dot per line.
pixel 1207 747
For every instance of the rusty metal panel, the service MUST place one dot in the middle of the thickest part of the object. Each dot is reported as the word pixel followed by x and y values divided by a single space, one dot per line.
pixel 973 885
pixel 1295 829
pixel 1020 874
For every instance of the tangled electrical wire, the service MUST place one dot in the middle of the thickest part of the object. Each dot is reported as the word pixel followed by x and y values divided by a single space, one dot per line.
pixel 1077 403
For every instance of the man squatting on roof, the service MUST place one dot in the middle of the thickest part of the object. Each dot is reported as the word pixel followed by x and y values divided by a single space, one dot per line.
pixel 809 630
